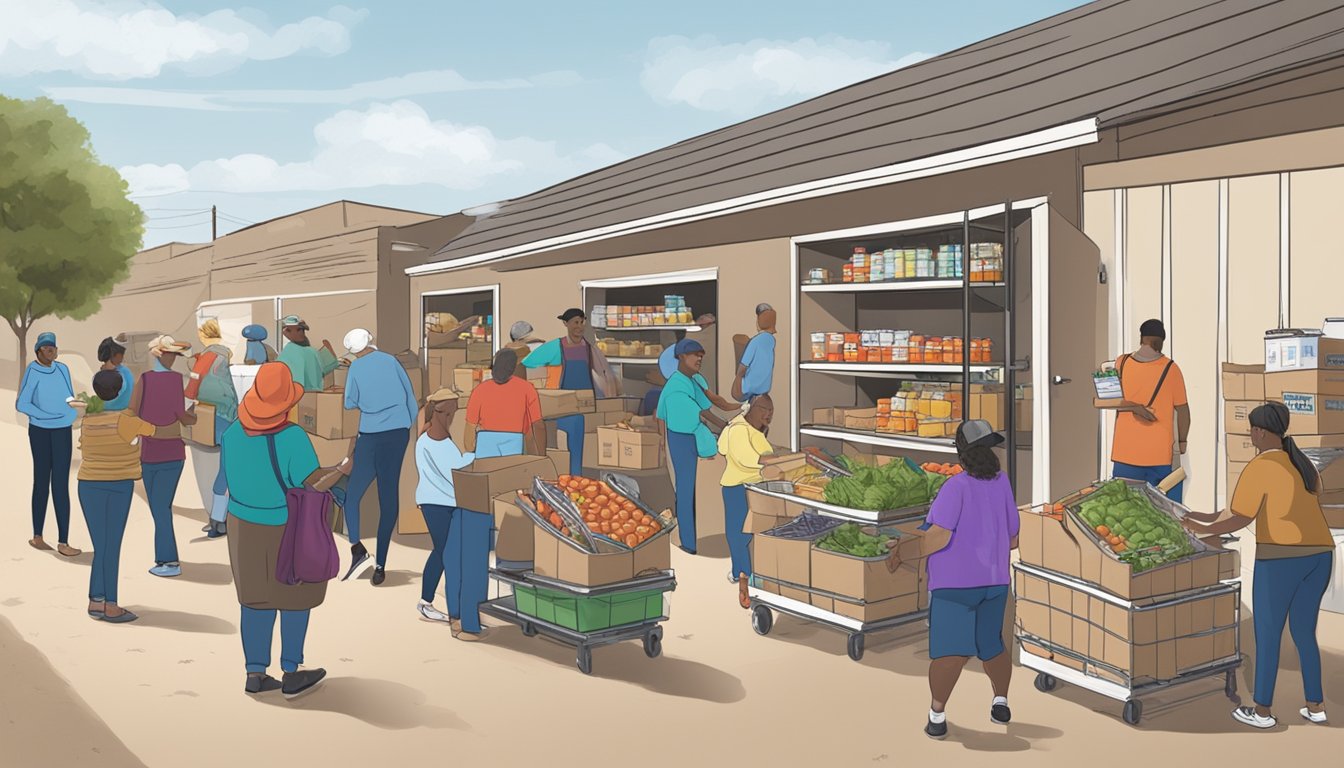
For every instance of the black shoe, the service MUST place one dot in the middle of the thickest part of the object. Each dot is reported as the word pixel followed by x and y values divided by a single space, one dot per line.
pixel 1001 714
pixel 261 684
pixel 217 531
pixel 379 576
pixel 936 730
pixel 358 557
pixel 298 683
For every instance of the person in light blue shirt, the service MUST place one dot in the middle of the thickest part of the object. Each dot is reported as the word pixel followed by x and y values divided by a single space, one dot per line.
pixel 461 537
pixel 111 355
pixel 756 370
pixel 379 388
pixel 684 409
pixel 45 397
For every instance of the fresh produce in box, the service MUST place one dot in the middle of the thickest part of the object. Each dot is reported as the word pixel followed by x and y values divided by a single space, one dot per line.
pixel 806 526
pixel 547 512
pixel 849 539
pixel 607 512
pixel 897 485
pixel 1140 534
pixel 949 470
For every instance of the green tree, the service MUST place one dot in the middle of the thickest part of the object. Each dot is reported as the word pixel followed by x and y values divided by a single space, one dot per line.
pixel 68 230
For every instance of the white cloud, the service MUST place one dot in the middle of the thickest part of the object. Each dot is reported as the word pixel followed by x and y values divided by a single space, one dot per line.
pixel 743 78
pixel 412 84
pixel 387 144
pixel 138 38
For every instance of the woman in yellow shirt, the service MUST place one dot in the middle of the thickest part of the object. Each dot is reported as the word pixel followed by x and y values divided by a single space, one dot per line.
pixel 743 443
pixel 1293 558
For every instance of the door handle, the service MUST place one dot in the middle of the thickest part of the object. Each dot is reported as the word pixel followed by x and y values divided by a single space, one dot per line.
pixel 1061 380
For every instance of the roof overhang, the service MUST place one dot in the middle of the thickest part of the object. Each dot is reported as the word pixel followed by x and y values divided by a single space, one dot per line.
pixel 1041 142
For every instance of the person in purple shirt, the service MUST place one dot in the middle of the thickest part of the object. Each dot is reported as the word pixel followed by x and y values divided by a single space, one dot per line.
pixel 971 529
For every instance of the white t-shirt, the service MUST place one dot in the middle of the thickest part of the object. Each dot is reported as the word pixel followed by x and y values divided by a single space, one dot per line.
pixel 436 460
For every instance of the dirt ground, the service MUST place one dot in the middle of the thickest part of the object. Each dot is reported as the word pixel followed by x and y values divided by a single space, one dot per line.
pixel 167 689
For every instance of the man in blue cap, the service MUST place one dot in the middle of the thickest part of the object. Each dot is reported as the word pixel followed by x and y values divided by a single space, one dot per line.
pixel 47 398
pixel 684 407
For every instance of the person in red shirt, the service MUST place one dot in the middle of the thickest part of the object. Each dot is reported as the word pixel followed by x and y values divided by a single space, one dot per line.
pixel 504 413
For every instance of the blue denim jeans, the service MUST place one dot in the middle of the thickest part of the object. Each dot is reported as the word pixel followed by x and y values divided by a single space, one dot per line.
pixel 161 488
pixel 51 449
pixel 1288 591
pixel 378 455
pixel 258 628
pixel 106 505
pixel 734 520
pixel 466 564
pixel 438 519
pixel 573 427
pixel 685 459
pixel 1149 475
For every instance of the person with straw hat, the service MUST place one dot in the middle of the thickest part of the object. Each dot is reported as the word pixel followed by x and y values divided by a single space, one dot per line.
pixel 212 384
pixel 161 400
pixel 257 516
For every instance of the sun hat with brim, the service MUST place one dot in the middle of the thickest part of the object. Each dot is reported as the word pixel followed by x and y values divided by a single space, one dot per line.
pixel 162 344
pixel 442 395
pixel 978 432
pixel 293 321
pixel 272 396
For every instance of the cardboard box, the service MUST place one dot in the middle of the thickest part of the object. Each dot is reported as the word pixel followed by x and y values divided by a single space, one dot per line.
pixel 639 450
pixel 766 512
pixel 1240 449
pixel 872 611
pixel 560 459
pixel 608 446
pixel 555 559
pixel 468 376
pixel 788 560
pixel 1303 353
pixel 589 447
pixel 332 452
pixel 586 399
pixel 439 366
pixel 1315 414
pixel 1243 382
pixel 861 418
pixel 826 417
pixel 1317 382
pixel 1237 416
pixel 988 407
pixel 203 431
pixel 478 484
pixel 323 414
pixel 864 579
pixel 1234 469
pixel 514 542
pixel 616 405
pixel 558 402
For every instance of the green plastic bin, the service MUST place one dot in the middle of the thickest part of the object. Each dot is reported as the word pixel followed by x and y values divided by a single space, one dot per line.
pixel 589 614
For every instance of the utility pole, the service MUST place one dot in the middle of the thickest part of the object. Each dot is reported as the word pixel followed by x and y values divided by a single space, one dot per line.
pixel 214 231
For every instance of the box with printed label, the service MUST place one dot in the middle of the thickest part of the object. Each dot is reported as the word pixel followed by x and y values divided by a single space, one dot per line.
pixel 639 450
pixel 1318 382
pixel 608 446
pixel 1301 353
pixel 1237 416
pixel 1315 414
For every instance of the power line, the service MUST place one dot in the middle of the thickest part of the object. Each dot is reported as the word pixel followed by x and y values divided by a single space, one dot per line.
pixel 179 226
pixel 178 215
pixel 235 218
pixel 196 210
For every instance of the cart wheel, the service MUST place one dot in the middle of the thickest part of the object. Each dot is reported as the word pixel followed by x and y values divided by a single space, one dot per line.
pixel 1045 683
pixel 653 645
pixel 1230 688
pixel 585 660
pixel 855 646
pixel 762 619
pixel 1133 711
pixel 529 629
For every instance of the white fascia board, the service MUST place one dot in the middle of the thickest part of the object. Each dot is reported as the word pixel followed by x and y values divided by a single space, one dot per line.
pixel 1074 134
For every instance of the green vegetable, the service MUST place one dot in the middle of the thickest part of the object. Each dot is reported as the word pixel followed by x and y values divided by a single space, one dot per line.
pixel 849 539
pixel 896 485
pixel 1151 536
pixel 95 404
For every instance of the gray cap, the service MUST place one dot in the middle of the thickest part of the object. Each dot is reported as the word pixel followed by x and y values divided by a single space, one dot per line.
pixel 763 308
pixel 520 330
pixel 978 432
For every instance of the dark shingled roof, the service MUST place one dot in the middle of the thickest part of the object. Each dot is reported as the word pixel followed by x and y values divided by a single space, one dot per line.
pixel 1108 60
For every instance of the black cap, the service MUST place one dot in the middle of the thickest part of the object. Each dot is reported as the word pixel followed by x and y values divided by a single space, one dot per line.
pixel 572 313
pixel 1153 329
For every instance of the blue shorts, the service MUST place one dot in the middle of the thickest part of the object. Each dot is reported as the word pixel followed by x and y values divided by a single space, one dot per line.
pixel 967 622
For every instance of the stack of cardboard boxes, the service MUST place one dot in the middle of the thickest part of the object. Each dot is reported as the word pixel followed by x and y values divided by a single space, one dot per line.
pixel 926 409
pixel 1151 626
pixel 444 363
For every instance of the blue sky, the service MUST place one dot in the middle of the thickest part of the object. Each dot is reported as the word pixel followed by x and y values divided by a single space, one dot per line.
pixel 271 108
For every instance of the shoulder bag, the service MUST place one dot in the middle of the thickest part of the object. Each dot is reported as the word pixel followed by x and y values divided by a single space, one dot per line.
pixel 307 548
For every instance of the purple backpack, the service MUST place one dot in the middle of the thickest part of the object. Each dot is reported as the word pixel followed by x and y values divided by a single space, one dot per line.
pixel 307 548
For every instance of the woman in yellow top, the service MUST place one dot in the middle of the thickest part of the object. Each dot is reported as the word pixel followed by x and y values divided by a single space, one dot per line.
pixel 1293 557
pixel 743 442
pixel 109 443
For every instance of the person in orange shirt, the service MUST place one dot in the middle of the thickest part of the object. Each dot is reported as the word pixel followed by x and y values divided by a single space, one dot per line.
pixel 504 413
pixel 1154 388
pixel 1280 492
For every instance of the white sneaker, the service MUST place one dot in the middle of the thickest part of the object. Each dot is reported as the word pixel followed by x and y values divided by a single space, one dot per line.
pixel 1248 716
pixel 1315 717
pixel 431 613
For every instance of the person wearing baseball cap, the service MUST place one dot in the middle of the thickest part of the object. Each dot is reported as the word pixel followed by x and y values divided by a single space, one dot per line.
pixel 45 397
pixel 160 399
pixel 1157 413
pixel 307 365
pixel 684 408
pixel 756 369
pixel 971 530
pixel 378 387
pixel 574 362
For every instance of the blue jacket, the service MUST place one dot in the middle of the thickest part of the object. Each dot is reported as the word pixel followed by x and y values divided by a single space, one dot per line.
pixel 379 388
pixel 43 394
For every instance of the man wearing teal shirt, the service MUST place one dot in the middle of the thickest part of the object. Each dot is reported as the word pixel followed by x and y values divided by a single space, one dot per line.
pixel 684 408
pixel 309 366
